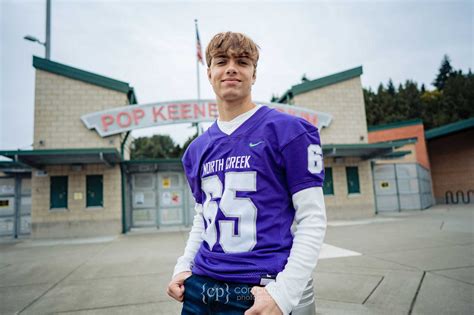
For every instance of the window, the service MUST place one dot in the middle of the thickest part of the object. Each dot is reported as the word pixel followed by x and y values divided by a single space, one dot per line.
pixel 352 174
pixel 94 188
pixel 328 187
pixel 58 192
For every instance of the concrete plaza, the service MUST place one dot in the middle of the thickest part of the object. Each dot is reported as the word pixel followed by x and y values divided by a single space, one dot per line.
pixel 419 262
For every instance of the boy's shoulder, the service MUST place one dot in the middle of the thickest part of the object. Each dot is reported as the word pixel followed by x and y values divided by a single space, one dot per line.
pixel 286 127
pixel 197 146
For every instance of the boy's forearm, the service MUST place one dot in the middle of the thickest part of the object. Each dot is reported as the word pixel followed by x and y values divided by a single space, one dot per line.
pixel 185 262
pixel 311 222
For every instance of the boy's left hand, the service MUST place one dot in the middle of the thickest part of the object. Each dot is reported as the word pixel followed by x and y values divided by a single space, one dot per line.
pixel 264 303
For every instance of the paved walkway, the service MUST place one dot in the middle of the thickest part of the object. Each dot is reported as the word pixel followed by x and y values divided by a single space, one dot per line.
pixel 419 262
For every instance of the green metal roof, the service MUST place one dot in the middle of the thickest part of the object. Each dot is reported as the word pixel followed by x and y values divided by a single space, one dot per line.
pixel 85 76
pixel 153 165
pixel 364 150
pixel 449 129
pixel 321 82
pixel 396 154
pixel 40 158
pixel 14 167
pixel 157 161
pixel 397 124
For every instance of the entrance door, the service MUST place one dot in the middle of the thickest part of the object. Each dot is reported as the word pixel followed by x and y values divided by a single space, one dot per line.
pixel 171 201
pixel 144 199
pixel 15 206
pixel 385 183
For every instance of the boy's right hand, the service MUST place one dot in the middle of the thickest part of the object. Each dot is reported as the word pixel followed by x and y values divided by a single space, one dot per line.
pixel 176 286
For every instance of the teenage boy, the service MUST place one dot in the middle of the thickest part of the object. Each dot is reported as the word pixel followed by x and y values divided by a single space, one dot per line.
pixel 253 174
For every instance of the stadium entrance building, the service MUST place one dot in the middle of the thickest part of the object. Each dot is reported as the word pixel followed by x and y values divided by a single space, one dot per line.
pixel 79 180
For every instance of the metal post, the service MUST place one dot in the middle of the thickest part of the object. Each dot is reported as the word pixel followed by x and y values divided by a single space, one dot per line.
pixel 48 30
pixel 197 74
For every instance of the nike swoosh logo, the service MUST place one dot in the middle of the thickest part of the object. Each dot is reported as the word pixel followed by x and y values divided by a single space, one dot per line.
pixel 255 144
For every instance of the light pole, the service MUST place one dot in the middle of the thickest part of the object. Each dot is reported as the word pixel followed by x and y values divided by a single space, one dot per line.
pixel 47 43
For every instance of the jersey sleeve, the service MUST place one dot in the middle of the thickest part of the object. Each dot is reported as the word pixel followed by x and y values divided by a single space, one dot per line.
pixel 191 170
pixel 303 160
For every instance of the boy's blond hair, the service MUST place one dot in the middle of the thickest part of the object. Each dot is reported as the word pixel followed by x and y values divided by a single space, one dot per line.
pixel 232 44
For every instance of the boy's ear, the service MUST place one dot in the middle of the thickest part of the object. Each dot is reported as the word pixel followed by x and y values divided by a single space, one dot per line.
pixel 209 73
pixel 254 77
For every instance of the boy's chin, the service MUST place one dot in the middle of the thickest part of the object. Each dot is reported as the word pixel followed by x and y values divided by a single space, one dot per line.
pixel 232 97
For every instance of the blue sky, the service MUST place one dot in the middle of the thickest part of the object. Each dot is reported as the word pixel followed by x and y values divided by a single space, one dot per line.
pixel 151 45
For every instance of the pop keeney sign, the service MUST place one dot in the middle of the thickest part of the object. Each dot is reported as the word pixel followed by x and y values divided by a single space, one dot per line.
pixel 127 118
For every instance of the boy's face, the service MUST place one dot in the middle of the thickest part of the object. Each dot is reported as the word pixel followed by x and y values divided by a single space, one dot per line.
pixel 231 77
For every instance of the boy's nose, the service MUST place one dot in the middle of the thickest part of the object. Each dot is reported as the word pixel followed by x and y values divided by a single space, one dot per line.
pixel 231 67
pixel 231 70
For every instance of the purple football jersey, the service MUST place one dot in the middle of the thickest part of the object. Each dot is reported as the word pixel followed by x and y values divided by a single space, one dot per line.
pixel 245 182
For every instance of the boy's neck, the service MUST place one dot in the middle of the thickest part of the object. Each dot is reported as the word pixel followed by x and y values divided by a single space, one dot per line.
pixel 228 110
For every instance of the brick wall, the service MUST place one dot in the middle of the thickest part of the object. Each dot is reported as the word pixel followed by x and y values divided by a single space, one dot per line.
pixel 452 164
pixel 418 131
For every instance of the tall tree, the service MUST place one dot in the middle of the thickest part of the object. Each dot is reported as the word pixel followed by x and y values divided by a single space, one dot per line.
pixel 445 70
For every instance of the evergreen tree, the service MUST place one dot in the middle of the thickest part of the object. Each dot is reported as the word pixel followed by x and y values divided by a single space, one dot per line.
pixel 451 101
pixel 391 88
pixel 445 70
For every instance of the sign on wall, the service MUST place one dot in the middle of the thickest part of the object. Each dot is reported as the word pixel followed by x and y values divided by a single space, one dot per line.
pixel 122 119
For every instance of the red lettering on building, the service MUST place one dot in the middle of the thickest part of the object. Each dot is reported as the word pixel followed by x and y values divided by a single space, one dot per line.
pixel 138 114
pixel 107 120
pixel 127 117
pixel 185 111
pixel 157 112
pixel 199 110
pixel 173 112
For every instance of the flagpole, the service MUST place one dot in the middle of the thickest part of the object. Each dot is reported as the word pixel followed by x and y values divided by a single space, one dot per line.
pixel 197 68
pixel 197 74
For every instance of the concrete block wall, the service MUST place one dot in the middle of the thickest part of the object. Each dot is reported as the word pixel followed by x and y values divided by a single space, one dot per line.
pixel 345 101
pixel 77 220
pixel 59 104
pixel 343 205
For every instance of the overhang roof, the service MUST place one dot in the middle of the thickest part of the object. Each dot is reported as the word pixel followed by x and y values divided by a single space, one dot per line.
pixel 449 129
pixel 40 158
pixel 153 161
pixel 9 167
pixel 367 150
pixel 394 125
pixel 320 82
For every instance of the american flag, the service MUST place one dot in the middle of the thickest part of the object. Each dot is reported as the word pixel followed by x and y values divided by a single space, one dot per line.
pixel 198 46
